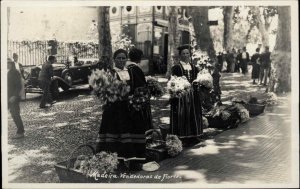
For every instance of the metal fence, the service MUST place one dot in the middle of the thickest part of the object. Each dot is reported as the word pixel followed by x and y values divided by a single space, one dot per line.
pixel 30 53
pixel 35 52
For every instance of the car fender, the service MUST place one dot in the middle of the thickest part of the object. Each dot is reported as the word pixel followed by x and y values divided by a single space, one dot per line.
pixel 66 71
pixel 61 83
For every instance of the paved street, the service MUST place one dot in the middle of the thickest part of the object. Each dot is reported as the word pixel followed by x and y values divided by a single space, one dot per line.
pixel 257 151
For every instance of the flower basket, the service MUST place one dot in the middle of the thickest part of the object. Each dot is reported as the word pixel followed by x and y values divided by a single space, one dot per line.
pixel 67 174
pixel 255 109
pixel 157 153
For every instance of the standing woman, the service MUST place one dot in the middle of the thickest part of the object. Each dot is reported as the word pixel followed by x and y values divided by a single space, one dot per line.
pixel 255 65
pixel 185 111
pixel 122 130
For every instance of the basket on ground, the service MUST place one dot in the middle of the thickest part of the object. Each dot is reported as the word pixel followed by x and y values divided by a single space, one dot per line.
pixel 255 109
pixel 67 174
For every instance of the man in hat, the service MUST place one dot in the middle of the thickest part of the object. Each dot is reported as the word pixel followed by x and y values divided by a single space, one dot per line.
pixel 45 78
pixel 265 66
pixel 244 60
pixel 13 96
pixel 20 69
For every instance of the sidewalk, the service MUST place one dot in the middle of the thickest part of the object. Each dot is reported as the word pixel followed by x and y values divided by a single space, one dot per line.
pixel 258 151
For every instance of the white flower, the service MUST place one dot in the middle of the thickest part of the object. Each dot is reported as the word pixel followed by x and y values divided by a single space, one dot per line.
pixel 204 79
pixel 177 86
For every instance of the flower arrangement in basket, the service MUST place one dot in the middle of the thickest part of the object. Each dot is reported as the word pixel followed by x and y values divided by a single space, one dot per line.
pixel 178 86
pixel 155 88
pixel 204 79
pixel 107 87
pixel 102 162
pixel 173 145
pixel 271 98
pixel 139 99
pixel 227 116
pixel 242 112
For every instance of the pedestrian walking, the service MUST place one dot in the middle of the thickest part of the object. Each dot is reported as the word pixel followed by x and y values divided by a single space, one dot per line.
pixel 20 69
pixel 255 59
pixel 244 60
pixel 220 60
pixel 14 86
pixel 45 78
pixel 234 54
pixel 265 66
pixel 238 61
pixel 122 128
pixel 216 84
pixel 186 111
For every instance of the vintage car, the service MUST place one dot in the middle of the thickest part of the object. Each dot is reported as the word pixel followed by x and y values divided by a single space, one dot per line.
pixel 66 75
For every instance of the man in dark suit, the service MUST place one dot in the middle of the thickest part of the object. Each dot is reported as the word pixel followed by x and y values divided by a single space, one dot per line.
pixel 45 78
pixel 14 86
pixel 244 60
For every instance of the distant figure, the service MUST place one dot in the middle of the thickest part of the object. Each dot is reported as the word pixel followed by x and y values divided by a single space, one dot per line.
pixel 265 66
pixel 238 61
pixel 14 86
pixel 220 60
pixel 20 69
pixel 234 54
pixel 255 59
pixel 230 61
pixel 45 78
pixel 216 83
pixel 244 61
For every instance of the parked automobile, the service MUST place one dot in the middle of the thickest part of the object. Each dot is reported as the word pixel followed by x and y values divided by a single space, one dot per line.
pixel 66 75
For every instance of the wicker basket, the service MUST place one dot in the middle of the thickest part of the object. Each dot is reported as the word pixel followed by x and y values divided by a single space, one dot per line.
pixel 67 174
pixel 255 109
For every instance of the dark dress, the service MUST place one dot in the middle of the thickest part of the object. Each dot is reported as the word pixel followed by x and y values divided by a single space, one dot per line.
pixel 122 129
pixel 244 62
pixel 186 112
pixel 255 66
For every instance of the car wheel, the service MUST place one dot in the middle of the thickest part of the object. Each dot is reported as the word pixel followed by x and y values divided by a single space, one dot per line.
pixel 68 78
pixel 54 90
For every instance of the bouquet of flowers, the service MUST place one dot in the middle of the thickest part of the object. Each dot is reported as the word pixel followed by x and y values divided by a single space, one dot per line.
pixel 102 162
pixel 225 115
pixel 201 57
pixel 139 99
pixel 205 122
pixel 107 87
pixel 204 79
pixel 155 88
pixel 178 86
pixel 173 145
pixel 242 112
pixel 271 98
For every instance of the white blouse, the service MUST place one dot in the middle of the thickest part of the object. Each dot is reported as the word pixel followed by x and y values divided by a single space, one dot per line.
pixel 123 74
pixel 186 66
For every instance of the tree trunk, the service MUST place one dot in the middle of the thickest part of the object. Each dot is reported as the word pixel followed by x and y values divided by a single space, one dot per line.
pixel 105 48
pixel 261 26
pixel 202 31
pixel 173 39
pixel 280 79
pixel 228 27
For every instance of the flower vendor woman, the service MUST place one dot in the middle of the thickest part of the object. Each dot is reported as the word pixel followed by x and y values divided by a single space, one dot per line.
pixel 122 129
pixel 185 116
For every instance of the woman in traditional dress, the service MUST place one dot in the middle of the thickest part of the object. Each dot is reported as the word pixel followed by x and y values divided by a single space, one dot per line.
pixel 186 111
pixel 122 130
pixel 255 65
